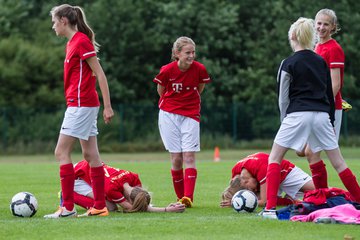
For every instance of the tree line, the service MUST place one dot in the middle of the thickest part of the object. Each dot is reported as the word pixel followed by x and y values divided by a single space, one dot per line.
pixel 241 42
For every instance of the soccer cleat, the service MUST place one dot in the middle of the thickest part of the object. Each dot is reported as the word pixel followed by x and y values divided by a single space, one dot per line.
pixel 95 212
pixel 268 214
pixel 186 201
pixel 62 212
pixel 346 106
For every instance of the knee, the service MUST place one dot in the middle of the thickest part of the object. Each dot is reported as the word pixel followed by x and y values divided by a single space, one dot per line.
pixel 189 160
pixel 60 155
pixel 91 157
pixel 177 162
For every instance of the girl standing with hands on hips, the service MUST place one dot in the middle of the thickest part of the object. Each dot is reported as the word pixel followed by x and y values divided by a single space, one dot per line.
pixel 306 104
pixel 81 69
pixel 179 85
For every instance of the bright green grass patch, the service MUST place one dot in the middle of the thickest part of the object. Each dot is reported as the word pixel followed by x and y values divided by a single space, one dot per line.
pixel 40 176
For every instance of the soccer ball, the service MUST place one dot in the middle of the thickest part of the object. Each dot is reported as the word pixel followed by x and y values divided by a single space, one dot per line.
pixel 244 201
pixel 23 204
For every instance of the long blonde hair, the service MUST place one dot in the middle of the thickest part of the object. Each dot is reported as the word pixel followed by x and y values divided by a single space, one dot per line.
pixel 140 200
pixel 235 185
pixel 179 44
pixel 77 19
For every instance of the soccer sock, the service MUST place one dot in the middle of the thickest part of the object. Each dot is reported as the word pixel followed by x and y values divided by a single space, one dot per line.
pixel 178 182
pixel 189 182
pixel 83 201
pixel 283 201
pixel 350 182
pixel 67 179
pixel 272 185
pixel 98 185
pixel 319 174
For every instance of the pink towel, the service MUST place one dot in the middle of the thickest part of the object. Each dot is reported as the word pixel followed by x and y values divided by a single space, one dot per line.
pixel 344 214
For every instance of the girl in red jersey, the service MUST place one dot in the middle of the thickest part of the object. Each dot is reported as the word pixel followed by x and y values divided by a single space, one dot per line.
pixel 81 68
pixel 179 85
pixel 306 103
pixel 122 188
pixel 250 173
pixel 326 24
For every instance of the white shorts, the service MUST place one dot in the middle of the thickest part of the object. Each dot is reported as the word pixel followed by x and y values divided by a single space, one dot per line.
pixel 314 128
pixel 294 182
pixel 81 187
pixel 80 122
pixel 337 123
pixel 179 133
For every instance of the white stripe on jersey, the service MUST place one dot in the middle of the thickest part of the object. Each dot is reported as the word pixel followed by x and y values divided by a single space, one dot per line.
pixel 118 200
pixel 81 65
pixel 88 53
pixel 158 80
pixel 262 180
pixel 337 63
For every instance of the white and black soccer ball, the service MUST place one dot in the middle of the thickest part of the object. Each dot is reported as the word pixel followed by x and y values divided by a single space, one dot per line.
pixel 244 201
pixel 23 204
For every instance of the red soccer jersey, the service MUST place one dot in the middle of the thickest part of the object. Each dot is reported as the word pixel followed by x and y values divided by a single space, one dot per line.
pixel 334 56
pixel 257 164
pixel 79 80
pixel 181 95
pixel 114 180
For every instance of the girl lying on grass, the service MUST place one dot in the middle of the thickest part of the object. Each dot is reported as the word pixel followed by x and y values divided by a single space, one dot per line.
pixel 122 189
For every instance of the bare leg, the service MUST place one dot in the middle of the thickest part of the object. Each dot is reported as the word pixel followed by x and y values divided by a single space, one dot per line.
pixel 91 154
pixel 345 174
pixel 67 175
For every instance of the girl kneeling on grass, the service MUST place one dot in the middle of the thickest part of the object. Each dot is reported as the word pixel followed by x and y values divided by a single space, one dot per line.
pixel 250 173
pixel 122 188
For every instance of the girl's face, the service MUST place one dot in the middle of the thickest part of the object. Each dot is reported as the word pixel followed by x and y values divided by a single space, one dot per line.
pixel 324 26
pixel 58 25
pixel 186 56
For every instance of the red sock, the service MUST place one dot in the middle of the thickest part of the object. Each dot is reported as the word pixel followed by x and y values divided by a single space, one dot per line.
pixel 272 184
pixel 319 174
pixel 178 182
pixel 83 201
pixel 98 185
pixel 189 182
pixel 283 201
pixel 350 182
pixel 67 179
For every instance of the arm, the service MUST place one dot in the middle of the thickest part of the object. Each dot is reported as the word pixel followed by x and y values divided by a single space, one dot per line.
pixel 160 90
pixel 284 80
pixel 262 195
pixel 201 87
pixel 172 207
pixel 99 73
pixel 125 205
pixel 335 80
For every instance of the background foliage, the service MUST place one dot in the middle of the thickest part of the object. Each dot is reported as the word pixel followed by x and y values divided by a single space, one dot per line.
pixel 240 42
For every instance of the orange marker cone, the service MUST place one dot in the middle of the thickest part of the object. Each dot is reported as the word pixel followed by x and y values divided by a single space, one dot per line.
pixel 216 154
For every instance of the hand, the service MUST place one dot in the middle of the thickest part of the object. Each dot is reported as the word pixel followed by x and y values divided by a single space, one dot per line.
pixel 108 114
pixel 175 207
pixel 224 204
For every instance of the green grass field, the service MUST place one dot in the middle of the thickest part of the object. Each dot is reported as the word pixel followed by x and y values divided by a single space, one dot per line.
pixel 39 175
